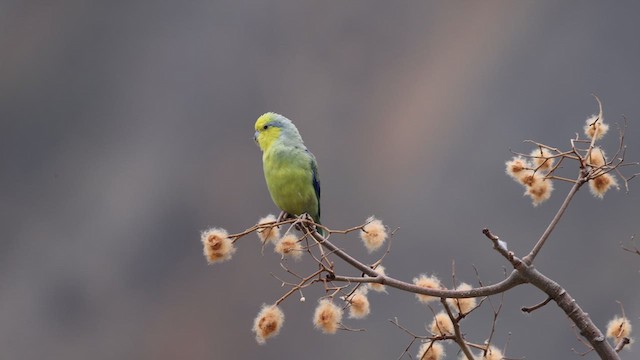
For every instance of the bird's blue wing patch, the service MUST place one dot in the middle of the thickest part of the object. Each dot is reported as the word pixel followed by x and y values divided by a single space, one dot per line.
pixel 316 180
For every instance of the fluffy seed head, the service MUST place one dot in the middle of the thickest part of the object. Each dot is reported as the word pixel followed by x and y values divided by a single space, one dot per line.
pixel 373 234
pixel 463 305
pixel 529 178
pixel 217 246
pixel 378 287
pixel 597 157
pixel 542 159
pixel 425 281
pixel 431 351
pixel 272 233
pixel 441 325
pixel 619 327
pixel 268 323
pixel 592 124
pixel 540 190
pixel 327 316
pixel 600 185
pixel 289 246
pixel 493 353
pixel 359 305
pixel 516 167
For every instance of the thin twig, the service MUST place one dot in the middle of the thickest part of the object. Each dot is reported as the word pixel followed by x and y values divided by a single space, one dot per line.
pixel 300 285
pixel 530 309
pixel 635 249
pixel 622 343
pixel 459 339
pixel 374 277
pixel 415 337
pixel 536 249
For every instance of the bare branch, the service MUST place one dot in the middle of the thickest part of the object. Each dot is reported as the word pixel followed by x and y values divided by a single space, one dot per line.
pixel 456 328
pixel 496 313
pixel 552 225
pixel 622 343
pixel 570 307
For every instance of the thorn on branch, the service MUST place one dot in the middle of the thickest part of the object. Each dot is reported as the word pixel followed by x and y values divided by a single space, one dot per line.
pixel 533 308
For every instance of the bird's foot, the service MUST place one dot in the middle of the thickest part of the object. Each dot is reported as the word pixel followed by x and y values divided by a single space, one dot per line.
pixel 283 216
pixel 304 217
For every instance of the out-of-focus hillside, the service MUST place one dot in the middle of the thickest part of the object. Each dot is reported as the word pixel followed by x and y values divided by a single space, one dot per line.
pixel 126 129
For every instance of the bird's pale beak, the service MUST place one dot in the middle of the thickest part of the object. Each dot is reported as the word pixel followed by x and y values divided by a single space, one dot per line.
pixel 255 137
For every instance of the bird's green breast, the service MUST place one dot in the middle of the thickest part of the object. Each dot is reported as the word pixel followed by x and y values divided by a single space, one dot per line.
pixel 289 177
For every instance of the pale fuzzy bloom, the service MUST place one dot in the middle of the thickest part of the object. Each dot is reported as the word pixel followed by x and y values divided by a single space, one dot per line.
pixel 540 191
pixel 430 351
pixel 327 316
pixel 359 305
pixel 217 245
pixel 600 185
pixel 378 287
pixel 441 325
pixel 268 322
pixel 493 353
pixel 537 187
pixel 373 234
pixel 618 328
pixel 362 289
pixel 529 178
pixel 597 157
pixel 289 246
pixel 271 234
pixel 516 167
pixel 590 127
pixel 543 161
pixel 425 281
pixel 463 305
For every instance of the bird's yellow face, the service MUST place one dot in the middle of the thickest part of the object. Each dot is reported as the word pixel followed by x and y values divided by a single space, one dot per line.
pixel 266 133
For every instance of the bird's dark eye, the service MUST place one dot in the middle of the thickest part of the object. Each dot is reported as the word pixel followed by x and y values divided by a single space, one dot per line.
pixel 265 127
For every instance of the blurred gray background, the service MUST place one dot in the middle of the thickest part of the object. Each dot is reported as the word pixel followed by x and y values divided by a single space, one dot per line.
pixel 126 128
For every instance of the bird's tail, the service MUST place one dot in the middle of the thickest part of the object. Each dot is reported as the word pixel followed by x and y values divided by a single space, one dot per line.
pixel 321 230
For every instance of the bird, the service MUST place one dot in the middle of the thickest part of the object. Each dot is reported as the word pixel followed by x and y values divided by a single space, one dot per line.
pixel 290 169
